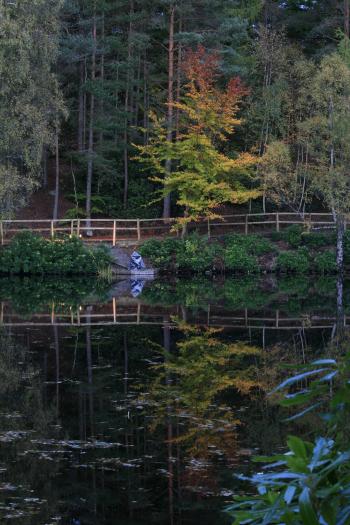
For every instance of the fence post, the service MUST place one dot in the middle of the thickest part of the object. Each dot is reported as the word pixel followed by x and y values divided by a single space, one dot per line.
pixel 2 233
pixel 138 230
pixel 114 233
pixel 78 227
pixel 246 224
pixel 277 222
pixel 208 228
pixel 52 229
pixel 72 227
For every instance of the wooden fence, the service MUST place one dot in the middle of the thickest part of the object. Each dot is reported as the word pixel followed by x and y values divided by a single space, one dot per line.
pixel 115 230
pixel 117 312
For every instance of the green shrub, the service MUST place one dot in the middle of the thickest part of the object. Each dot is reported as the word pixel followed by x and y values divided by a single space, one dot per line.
pixel 325 262
pixel 193 253
pixel 238 259
pixel 161 253
pixel 197 254
pixel 253 244
pixel 294 261
pixel 318 240
pixel 293 235
pixel 30 254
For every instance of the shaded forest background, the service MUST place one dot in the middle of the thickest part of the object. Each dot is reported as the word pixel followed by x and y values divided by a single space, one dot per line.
pixel 81 79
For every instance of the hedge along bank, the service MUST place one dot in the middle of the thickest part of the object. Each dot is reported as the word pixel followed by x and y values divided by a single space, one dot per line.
pixel 292 251
pixel 29 254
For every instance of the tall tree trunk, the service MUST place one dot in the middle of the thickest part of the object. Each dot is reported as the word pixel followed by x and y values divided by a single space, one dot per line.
pixel 57 175
pixel 346 18
pixel 81 116
pixel 44 163
pixel 91 129
pixel 340 242
pixel 170 116
pixel 126 108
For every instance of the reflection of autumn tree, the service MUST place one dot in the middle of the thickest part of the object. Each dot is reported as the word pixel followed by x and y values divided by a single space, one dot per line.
pixel 198 385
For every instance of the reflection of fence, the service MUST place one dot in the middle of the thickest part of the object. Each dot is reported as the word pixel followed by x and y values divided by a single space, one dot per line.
pixel 136 313
pixel 114 230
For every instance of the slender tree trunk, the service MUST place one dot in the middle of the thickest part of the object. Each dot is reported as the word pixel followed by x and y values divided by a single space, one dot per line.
pixel 340 242
pixel 81 116
pixel 170 116
pixel 44 161
pixel 57 176
pixel 126 108
pixel 346 18
pixel 91 130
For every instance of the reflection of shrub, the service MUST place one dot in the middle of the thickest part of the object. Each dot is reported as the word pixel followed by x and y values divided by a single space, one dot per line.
pixel 30 295
pixel 294 262
pixel 30 254
pixel 326 262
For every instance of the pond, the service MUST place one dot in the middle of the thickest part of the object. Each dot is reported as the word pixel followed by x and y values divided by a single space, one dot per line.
pixel 137 403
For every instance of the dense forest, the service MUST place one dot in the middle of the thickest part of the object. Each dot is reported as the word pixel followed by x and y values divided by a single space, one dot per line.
pixel 130 108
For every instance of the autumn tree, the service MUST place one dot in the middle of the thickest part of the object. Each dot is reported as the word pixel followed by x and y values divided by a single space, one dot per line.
pixel 204 177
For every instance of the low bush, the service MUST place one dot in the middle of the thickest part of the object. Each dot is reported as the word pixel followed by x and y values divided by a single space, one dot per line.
pixel 194 253
pixel 318 240
pixel 197 254
pixel 161 253
pixel 325 262
pixel 30 254
pixel 294 261
pixel 253 244
pixel 238 259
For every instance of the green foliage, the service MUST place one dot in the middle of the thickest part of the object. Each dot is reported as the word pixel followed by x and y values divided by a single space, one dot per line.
pixel 325 262
pixel 41 293
pixel 238 259
pixel 308 485
pixel 30 254
pixel 293 235
pixel 254 244
pixel 194 253
pixel 197 254
pixel 318 240
pixel 161 253
pixel 294 261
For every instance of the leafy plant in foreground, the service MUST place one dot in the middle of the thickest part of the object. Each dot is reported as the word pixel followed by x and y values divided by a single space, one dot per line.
pixel 310 483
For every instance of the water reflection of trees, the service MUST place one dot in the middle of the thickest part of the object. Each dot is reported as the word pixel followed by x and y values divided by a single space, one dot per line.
pixel 196 392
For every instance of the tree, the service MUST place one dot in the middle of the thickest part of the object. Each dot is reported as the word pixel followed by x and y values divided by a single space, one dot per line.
pixel 203 176
pixel 30 98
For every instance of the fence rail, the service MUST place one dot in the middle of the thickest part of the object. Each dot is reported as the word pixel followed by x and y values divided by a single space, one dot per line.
pixel 114 230
pixel 116 313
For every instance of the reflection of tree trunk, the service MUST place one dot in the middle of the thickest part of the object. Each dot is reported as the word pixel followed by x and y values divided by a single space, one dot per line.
pixel 90 378
pixel 57 354
pixel 167 348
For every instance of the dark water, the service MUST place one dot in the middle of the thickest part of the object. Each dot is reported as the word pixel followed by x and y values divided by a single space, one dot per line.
pixel 138 404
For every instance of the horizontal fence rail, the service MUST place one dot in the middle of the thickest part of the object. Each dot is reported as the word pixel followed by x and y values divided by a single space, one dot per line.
pixel 115 230
pixel 138 313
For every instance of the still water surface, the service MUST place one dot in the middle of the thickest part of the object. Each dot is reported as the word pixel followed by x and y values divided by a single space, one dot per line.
pixel 138 403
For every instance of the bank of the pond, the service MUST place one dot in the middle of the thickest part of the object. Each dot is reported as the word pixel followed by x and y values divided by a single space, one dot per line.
pixel 292 250
pixel 30 254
